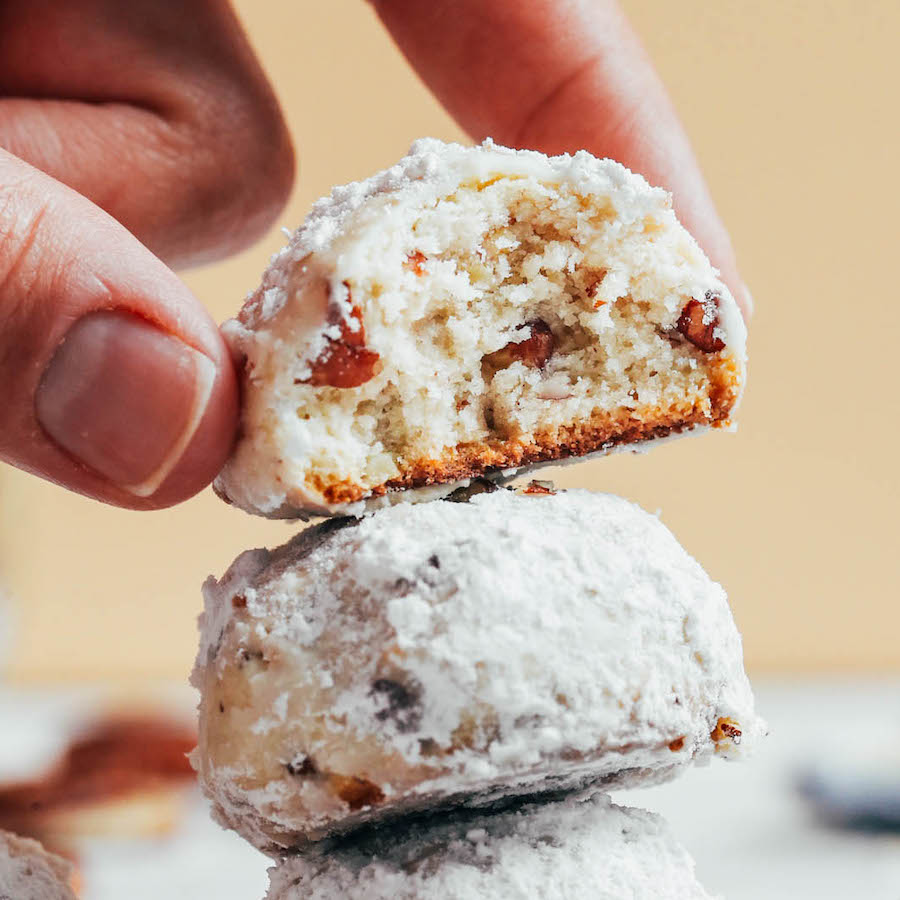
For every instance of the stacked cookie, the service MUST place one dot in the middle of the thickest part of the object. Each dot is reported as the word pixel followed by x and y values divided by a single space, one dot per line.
pixel 421 700
pixel 559 849
pixel 29 872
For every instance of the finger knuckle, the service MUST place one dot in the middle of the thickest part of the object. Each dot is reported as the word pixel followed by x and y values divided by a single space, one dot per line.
pixel 22 217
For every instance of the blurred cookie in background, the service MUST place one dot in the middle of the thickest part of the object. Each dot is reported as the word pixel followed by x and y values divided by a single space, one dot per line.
pixel 122 775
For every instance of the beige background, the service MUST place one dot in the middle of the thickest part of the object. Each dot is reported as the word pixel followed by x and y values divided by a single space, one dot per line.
pixel 793 111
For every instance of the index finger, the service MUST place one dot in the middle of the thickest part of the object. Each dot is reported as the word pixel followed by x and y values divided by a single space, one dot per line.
pixel 559 76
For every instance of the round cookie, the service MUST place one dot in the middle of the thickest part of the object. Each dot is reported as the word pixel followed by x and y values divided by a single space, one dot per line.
pixel 29 872
pixel 577 849
pixel 449 653
pixel 469 311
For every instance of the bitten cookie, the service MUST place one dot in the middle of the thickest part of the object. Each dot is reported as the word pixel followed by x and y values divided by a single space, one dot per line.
pixel 577 849
pixel 469 311
pixel 447 653
pixel 29 872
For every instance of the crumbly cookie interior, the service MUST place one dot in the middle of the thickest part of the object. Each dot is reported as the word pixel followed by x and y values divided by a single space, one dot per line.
pixel 513 322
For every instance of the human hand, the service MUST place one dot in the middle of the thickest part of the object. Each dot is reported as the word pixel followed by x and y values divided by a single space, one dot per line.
pixel 116 382
pixel 160 116
pixel 559 76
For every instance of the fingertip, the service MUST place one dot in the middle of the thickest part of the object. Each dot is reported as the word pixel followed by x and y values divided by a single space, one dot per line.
pixel 745 301
pixel 118 384
pixel 209 445
pixel 729 273
pixel 150 416
pixel 696 210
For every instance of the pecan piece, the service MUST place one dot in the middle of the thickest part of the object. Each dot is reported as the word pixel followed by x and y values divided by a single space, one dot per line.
pixel 346 361
pixel 594 286
pixel 698 322
pixel 726 729
pixel 476 486
pixel 301 765
pixel 415 262
pixel 539 487
pixel 398 703
pixel 534 351
pixel 357 793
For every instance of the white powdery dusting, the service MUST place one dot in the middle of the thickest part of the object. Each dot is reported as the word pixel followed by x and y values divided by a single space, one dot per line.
pixel 356 235
pixel 536 640
pixel 578 849
pixel 582 597
pixel 433 169
pixel 237 580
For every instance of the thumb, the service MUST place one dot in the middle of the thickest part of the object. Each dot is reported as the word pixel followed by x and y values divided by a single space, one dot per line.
pixel 117 383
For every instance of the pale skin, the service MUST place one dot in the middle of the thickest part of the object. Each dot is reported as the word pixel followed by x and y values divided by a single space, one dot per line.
pixel 142 136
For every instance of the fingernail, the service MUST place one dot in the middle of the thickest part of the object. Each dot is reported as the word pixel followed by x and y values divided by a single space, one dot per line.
pixel 124 398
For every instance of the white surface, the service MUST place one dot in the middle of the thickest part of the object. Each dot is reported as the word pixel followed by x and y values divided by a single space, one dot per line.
pixel 199 862
pixel 751 835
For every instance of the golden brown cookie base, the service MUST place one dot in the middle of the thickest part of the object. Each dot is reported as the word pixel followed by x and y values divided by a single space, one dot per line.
pixel 604 430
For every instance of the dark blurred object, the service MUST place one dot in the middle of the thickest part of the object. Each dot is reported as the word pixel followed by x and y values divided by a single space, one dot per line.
pixel 123 776
pixel 475 487
pixel 862 799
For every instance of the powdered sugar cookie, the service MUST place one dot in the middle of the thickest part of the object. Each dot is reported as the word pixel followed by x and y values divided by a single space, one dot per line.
pixel 443 653
pixel 470 311
pixel 577 849
pixel 29 872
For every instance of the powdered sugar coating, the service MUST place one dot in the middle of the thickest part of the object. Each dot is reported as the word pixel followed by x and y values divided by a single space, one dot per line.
pixel 577 849
pixel 443 651
pixel 29 872
pixel 349 237
pixel 430 170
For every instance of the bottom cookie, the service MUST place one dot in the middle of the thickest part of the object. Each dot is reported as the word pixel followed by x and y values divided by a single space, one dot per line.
pixel 579 848
pixel 28 872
